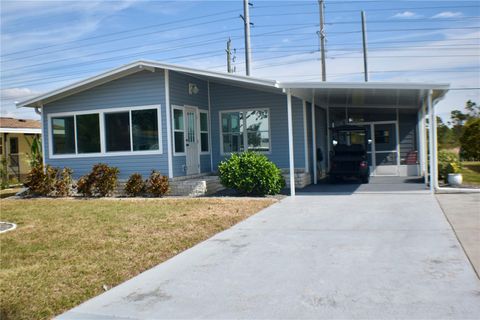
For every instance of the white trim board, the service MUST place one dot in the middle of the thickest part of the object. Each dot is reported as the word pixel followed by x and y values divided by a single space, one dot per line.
pixel 21 130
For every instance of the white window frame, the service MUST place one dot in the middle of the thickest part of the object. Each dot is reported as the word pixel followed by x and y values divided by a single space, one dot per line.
pixel 245 139
pixel 184 153
pixel 200 111
pixel 101 116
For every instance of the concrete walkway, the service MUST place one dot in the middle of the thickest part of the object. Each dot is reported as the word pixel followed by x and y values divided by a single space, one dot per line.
pixel 326 256
pixel 463 212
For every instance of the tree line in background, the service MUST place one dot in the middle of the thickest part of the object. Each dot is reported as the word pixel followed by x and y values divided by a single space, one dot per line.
pixel 461 132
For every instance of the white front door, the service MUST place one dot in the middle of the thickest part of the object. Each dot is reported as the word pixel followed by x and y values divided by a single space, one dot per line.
pixel 191 141
pixel 385 144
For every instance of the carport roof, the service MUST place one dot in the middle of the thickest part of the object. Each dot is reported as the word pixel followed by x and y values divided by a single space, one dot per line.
pixel 365 94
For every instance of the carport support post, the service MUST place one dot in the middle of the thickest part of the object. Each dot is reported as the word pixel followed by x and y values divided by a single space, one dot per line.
pixel 290 143
pixel 423 142
pixel 314 139
pixel 431 140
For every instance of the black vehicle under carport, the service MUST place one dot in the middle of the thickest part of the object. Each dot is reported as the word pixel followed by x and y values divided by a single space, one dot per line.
pixel 348 158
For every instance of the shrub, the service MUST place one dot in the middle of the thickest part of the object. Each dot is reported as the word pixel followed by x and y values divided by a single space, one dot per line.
pixel 40 181
pixel 135 185
pixel 157 184
pixel 445 161
pixel 101 181
pixel 251 173
pixel 84 186
pixel 63 183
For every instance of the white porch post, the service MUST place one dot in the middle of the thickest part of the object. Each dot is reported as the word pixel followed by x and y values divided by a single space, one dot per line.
pixel 422 142
pixel 305 136
pixel 169 127
pixel 431 140
pixel 314 139
pixel 435 144
pixel 290 143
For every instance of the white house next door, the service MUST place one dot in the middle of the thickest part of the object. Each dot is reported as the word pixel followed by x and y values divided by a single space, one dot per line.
pixel 191 141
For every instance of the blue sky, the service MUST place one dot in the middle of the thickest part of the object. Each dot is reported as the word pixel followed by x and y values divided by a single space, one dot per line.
pixel 48 44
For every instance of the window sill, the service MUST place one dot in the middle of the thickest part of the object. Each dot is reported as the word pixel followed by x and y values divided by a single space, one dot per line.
pixel 106 154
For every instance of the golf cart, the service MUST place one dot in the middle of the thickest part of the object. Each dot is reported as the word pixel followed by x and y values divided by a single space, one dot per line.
pixel 348 157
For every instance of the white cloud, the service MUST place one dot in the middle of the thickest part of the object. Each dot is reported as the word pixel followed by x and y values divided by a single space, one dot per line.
pixel 17 93
pixel 405 15
pixel 447 14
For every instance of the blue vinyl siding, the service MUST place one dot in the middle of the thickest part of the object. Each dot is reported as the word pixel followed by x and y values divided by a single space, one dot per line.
pixel 179 96
pixel 225 97
pixel 139 89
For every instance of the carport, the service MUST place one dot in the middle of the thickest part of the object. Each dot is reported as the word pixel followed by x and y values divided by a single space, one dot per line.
pixel 396 115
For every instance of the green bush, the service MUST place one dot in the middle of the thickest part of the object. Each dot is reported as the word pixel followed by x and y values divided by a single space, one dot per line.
pixel 135 185
pixel 157 184
pixel 251 173
pixel 470 141
pixel 41 181
pixel 446 161
pixel 101 181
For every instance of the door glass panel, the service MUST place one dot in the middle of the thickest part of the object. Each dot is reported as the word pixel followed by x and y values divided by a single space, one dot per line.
pixel 385 144
pixel 14 145
pixel 385 158
pixel 191 127
pixel 385 137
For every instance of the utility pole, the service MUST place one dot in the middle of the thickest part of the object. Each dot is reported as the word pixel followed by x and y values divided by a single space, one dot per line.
pixel 246 22
pixel 321 34
pixel 364 37
pixel 229 56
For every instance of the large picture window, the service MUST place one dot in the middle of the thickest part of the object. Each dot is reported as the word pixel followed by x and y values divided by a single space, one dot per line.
pixel 115 131
pixel 245 130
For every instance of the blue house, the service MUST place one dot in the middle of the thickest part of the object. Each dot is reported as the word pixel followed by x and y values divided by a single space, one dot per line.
pixel 183 121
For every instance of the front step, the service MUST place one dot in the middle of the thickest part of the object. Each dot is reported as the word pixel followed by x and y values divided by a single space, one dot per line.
pixel 195 187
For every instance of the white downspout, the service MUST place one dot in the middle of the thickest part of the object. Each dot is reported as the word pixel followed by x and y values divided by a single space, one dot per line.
pixel 42 124
pixel 290 143
pixel 314 139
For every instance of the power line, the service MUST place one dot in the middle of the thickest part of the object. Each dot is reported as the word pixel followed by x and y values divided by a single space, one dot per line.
pixel 369 10
pixel 125 31
pixel 123 38
pixel 190 45
pixel 436 20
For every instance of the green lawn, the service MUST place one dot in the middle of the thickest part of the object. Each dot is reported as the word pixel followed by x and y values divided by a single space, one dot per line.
pixel 64 251
pixel 471 173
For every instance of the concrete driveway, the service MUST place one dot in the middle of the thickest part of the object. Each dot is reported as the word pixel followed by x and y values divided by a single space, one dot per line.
pixel 316 256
